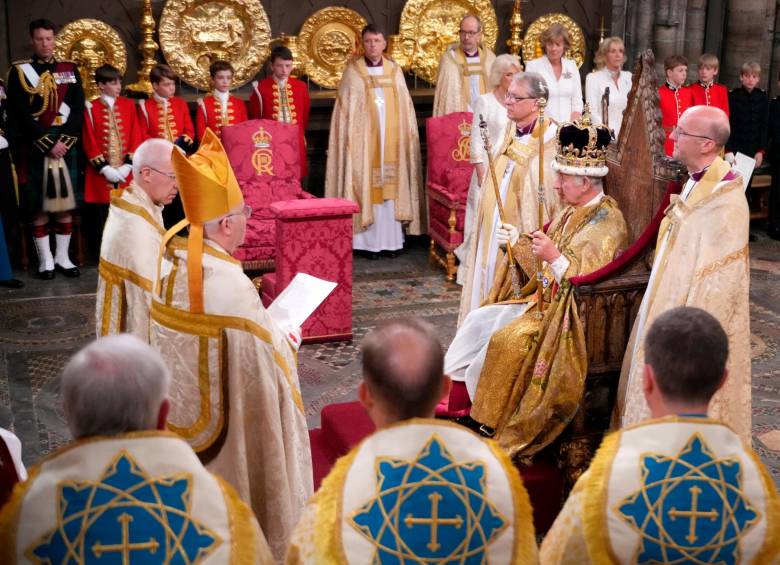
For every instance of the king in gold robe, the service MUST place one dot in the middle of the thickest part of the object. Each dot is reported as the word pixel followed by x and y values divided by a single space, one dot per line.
pixel 461 79
pixel 701 260
pixel 669 490
pixel 128 263
pixel 374 155
pixel 517 174
pixel 525 372
pixel 235 395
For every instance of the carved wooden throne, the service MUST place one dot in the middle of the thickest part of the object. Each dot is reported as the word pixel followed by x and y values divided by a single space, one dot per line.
pixel 641 179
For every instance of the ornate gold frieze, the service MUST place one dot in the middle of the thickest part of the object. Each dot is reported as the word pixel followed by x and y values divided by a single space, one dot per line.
pixel 532 47
pixel 90 43
pixel 428 26
pixel 194 33
pixel 328 39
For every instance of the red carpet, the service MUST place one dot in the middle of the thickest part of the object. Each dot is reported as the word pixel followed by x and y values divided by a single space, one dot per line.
pixel 344 425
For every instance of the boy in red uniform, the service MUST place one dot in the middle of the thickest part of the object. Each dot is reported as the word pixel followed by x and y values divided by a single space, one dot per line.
pixel 707 92
pixel 165 115
pixel 218 108
pixel 282 98
pixel 674 96
pixel 110 134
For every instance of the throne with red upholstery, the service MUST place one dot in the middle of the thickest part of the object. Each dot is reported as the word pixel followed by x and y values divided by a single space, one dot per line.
pixel 641 179
pixel 449 175
pixel 290 230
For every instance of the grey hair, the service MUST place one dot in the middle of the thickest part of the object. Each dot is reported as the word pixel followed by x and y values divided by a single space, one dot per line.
pixel 114 385
pixel 720 132
pixel 475 18
pixel 534 83
pixel 152 153
pixel 501 65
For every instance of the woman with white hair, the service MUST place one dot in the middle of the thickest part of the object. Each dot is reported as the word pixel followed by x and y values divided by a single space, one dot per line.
pixel 564 100
pixel 610 57
pixel 491 106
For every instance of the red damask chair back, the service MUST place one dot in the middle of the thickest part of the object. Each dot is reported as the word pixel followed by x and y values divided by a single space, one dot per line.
pixel 265 157
pixel 8 475
pixel 447 185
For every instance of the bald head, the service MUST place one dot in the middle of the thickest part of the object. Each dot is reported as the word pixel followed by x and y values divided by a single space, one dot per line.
pixel 403 368
pixel 708 121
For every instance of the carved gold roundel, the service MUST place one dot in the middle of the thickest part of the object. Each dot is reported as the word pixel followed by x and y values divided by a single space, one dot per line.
pixel 428 27
pixel 195 33
pixel 90 43
pixel 532 47
pixel 327 41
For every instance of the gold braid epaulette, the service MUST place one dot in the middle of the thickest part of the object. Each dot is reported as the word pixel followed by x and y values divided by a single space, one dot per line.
pixel 46 89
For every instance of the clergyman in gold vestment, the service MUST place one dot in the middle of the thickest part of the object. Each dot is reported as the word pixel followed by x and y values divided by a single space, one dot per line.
pixel 701 259
pixel 527 372
pixel 464 69
pixel 374 150
pixel 235 395
pixel 131 243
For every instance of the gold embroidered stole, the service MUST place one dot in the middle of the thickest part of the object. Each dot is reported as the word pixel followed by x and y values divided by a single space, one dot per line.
pixel 521 153
pixel 384 179
pixel 467 70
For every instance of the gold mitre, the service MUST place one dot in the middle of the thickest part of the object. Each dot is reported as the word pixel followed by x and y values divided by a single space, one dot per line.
pixel 209 190
pixel 582 147
pixel 207 184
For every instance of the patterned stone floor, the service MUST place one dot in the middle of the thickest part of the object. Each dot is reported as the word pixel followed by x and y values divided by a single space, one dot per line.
pixel 44 323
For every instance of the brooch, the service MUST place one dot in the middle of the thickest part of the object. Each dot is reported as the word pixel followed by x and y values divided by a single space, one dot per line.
pixel 566 75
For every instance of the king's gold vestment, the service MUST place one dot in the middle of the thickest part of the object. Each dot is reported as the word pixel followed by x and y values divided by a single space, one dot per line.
pixel 235 395
pixel 356 169
pixel 453 88
pixel 128 263
pixel 532 380
pixel 701 260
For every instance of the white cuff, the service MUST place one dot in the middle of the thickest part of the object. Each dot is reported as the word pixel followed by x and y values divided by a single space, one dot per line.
pixel 559 267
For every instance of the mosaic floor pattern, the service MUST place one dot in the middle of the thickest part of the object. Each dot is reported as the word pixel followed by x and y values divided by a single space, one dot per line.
pixel 44 323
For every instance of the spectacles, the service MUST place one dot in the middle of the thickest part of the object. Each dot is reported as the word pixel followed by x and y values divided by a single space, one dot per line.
pixel 678 132
pixel 171 176
pixel 246 211
pixel 469 33
pixel 511 98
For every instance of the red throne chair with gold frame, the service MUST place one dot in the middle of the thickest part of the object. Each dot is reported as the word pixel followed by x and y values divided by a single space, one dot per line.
pixel 290 230
pixel 447 184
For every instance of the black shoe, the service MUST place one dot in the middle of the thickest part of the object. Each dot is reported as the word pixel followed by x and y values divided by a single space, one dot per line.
pixel 486 431
pixel 469 422
pixel 71 273
pixel 391 254
pixel 752 238
pixel 774 233
pixel 11 283
pixel 46 275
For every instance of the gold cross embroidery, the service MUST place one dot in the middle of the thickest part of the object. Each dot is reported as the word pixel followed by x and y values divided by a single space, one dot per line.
pixel 434 521
pixel 125 547
pixel 693 514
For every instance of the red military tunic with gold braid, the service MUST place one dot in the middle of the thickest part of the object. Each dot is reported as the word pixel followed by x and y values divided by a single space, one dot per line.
pixel 211 114
pixel 167 119
pixel 673 101
pixel 290 104
pixel 110 136
pixel 713 94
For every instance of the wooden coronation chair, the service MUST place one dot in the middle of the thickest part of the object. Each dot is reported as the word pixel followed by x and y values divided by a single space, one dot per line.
pixel 290 230
pixel 447 184
pixel 641 179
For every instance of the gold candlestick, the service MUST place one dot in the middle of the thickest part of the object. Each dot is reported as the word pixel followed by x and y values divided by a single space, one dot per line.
pixel 602 31
pixel 148 49
pixel 515 41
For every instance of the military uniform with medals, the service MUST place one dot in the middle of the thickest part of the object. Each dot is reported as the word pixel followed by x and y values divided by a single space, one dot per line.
pixel 46 106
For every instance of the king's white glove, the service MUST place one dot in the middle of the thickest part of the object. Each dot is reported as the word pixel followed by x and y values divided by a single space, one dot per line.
pixel 729 157
pixel 3 143
pixel 125 171
pixel 506 233
pixel 112 175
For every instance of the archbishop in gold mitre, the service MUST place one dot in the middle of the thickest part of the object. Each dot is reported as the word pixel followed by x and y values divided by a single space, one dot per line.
pixel 525 373
pixel 235 395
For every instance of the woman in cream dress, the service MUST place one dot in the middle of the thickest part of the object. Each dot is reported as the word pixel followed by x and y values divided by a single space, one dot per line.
pixel 491 106
pixel 562 76
pixel 608 74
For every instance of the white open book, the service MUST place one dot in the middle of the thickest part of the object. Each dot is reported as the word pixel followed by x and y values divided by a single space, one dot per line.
pixel 299 300
pixel 745 166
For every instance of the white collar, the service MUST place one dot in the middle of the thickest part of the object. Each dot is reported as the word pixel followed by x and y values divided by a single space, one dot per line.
pixel 221 96
pixel 159 98
pixel 109 100
pixel 281 83
pixel 596 199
